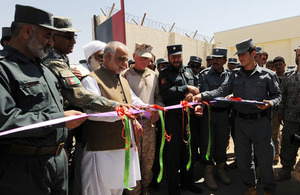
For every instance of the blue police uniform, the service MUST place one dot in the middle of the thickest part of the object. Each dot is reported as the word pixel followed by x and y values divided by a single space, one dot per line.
pixel 210 80
pixel 173 87
pixel 31 161
pixel 252 125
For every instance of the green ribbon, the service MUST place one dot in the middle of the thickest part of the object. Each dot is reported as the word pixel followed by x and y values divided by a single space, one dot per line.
pixel 127 152
pixel 161 146
pixel 209 134
pixel 189 136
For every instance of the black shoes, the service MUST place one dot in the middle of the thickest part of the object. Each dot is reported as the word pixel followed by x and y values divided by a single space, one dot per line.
pixel 192 188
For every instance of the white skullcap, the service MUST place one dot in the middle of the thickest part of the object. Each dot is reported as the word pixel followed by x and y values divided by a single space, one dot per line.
pixel 92 47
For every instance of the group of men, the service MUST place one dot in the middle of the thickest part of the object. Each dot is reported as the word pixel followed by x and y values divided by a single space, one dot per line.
pixel 37 84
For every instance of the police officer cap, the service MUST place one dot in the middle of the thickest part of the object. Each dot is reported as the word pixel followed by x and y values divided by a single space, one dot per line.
pixel 6 32
pixel 258 50
pixel 161 61
pixel 131 62
pixel 219 52
pixel 232 61
pixel 243 46
pixel 64 24
pixel 32 15
pixel 174 49
pixel 195 59
pixel 208 57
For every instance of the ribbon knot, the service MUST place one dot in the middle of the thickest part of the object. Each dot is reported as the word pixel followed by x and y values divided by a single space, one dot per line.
pixel 123 111
pixel 185 105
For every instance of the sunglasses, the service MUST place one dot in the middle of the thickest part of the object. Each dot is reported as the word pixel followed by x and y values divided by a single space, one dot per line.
pixel 194 66
pixel 69 37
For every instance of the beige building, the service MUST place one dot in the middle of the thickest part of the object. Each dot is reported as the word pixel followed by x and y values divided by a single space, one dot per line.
pixel 277 38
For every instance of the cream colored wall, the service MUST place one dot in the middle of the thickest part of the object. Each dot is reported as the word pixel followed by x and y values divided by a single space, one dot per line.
pixel 277 38
pixel 159 40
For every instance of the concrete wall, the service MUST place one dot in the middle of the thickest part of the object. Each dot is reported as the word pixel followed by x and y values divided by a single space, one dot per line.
pixel 159 40
pixel 277 38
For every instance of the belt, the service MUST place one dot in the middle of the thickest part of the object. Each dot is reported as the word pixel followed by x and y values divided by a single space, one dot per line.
pixel 18 149
pixel 253 115
pixel 218 109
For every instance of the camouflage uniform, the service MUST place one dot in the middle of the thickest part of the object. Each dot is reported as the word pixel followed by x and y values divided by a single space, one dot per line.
pixel 145 86
pixel 72 90
pixel 290 108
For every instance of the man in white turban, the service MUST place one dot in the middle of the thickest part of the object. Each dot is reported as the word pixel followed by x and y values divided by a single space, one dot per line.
pixel 93 52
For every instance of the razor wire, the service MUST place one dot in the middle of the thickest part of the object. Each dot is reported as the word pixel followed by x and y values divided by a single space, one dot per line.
pixel 129 18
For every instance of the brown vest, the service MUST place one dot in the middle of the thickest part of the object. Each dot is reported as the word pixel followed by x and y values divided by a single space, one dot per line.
pixel 99 135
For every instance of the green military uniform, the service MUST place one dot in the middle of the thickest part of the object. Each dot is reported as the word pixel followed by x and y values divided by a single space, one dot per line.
pixel 72 90
pixel 290 108
pixel 29 94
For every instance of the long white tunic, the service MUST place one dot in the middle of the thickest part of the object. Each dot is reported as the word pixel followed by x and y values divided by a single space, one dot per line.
pixel 108 166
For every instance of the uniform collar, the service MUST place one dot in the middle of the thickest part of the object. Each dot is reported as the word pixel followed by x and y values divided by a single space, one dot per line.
pixel 15 53
pixel 212 71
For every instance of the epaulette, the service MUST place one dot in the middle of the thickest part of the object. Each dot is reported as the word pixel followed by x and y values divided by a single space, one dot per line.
pixel 164 68
pixel 289 72
pixel 205 70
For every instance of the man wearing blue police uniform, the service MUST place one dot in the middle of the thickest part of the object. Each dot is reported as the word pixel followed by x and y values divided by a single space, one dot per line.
pixel 32 161
pixel 210 79
pixel 252 123
pixel 177 83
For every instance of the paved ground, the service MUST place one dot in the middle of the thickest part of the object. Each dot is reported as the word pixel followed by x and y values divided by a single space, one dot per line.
pixel 291 187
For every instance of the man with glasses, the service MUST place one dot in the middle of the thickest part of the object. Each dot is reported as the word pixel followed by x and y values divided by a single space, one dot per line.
pixel 195 64
pixel 210 79
pixel 74 94
pixel 177 83
pixel 264 57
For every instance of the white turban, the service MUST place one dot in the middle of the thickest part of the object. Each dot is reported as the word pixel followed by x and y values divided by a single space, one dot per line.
pixel 92 47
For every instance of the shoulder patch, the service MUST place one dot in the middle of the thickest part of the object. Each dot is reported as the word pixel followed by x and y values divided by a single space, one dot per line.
pixel 163 81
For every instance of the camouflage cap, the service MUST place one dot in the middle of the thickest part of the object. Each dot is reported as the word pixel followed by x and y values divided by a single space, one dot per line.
pixel 143 50
pixel 64 24
pixel 32 15
pixel 6 32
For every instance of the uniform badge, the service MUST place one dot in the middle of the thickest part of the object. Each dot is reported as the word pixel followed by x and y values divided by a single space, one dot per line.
pixel 163 81
pixel 187 74
pixel 72 80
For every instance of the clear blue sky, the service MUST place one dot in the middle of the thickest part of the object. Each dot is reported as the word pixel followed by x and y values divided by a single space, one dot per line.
pixel 205 16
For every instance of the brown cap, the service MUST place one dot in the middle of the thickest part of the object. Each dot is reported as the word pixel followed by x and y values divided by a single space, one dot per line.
pixel 64 24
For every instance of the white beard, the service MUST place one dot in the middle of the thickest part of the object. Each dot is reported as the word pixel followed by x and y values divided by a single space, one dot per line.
pixel 94 63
